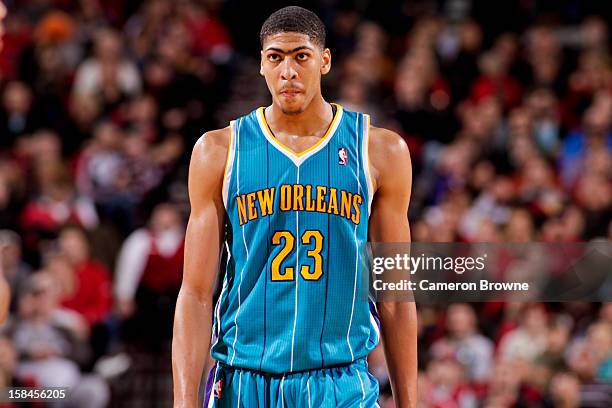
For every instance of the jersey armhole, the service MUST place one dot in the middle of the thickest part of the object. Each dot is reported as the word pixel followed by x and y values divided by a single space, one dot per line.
pixel 229 163
pixel 365 151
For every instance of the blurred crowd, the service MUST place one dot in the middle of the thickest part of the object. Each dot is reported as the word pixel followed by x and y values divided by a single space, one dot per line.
pixel 507 110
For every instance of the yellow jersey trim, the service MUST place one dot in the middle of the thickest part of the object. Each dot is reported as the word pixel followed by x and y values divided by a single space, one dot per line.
pixel 229 154
pixel 328 132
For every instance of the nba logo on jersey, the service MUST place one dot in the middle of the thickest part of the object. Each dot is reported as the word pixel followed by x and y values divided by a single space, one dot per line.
pixel 342 156
pixel 218 389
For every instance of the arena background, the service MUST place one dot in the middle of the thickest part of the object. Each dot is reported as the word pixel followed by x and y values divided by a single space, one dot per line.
pixel 506 107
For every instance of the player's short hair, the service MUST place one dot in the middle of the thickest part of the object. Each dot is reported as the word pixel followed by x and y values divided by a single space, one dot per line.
pixel 294 19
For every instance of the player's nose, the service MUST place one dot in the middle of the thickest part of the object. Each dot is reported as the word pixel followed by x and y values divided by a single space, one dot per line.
pixel 288 71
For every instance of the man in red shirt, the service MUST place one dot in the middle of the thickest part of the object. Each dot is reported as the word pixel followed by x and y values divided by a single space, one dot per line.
pixel 148 277
pixel 85 282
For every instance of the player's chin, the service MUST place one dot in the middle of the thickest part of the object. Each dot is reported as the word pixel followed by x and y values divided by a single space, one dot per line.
pixel 292 105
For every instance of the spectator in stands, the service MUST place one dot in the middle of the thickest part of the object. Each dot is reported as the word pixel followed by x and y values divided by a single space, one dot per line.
pixel 83 113
pixel 503 390
pixel 17 114
pixel 594 195
pixel 146 27
pixel 543 105
pixel 102 176
pixel 142 173
pixel 99 163
pixel 496 81
pixel 530 339
pixel 558 339
pixel 107 75
pixel 57 202
pixel 462 70
pixel 520 227
pixel 444 385
pixel 465 344
pixel 55 205
pixel 149 274
pixel 48 63
pixel 51 342
pixel 15 270
pixel 86 286
pixel 565 390
pixel 596 134
pixel 537 190
pixel 589 357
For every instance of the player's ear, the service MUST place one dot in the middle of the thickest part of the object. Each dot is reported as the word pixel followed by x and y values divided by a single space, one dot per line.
pixel 261 63
pixel 325 61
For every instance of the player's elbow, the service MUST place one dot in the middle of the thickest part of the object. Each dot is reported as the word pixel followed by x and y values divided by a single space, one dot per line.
pixel 195 293
pixel 397 311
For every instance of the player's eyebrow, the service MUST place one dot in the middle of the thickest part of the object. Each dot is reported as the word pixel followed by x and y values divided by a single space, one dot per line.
pixel 300 48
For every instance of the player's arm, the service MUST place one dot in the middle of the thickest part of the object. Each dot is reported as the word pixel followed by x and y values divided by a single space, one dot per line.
pixel 193 316
pixel 4 297
pixel 392 173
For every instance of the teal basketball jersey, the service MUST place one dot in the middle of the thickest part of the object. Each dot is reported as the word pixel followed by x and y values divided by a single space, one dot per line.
pixel 291 299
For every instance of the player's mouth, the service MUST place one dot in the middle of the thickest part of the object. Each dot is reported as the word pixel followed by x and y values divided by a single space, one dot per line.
pixel 290 92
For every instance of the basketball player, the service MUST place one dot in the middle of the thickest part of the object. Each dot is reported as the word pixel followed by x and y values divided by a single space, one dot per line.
pixel 295 183
pixel 4 287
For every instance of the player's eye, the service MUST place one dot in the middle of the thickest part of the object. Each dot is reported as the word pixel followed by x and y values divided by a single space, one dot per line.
pixel 274 57
pixel 302 56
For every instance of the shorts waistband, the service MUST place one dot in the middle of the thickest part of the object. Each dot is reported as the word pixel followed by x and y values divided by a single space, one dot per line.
pixel 359 362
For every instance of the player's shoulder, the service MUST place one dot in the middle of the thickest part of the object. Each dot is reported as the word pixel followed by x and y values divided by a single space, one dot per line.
pixel 381 139
pixel 388 153
pixel 387 143
pixel 210 150
pixel 208 163
pixel 212 143
pixel 214 139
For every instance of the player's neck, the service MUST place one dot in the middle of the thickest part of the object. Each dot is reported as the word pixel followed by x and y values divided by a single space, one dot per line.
pixel 314 120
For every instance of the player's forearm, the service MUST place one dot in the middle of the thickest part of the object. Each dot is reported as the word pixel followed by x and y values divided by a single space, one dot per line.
pixel 399 334
pixel 190 346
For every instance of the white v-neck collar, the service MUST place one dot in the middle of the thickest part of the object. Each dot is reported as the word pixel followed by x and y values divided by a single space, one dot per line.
pixel 299 158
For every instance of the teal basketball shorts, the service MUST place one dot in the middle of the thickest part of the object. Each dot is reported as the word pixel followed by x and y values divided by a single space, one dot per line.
pixel 346 386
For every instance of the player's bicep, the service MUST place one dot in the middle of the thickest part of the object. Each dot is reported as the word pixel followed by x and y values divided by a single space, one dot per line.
pixel 205 227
